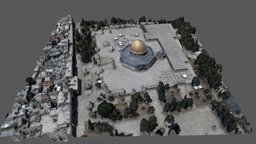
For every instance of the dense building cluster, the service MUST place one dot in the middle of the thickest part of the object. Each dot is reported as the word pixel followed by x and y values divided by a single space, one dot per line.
pixel 43 106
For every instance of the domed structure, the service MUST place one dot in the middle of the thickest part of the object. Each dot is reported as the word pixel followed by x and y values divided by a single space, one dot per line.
pixel 160 54
pixel 137 56
pixel 138 47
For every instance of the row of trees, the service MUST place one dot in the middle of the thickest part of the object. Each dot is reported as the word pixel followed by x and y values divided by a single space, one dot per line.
pixel 108 110
pixel 118 21
pixel 186 31
pixel 175 105
pixel 105 127
pixel 95 25
pixel 207 68
pixel 161 92
pixel 159 21
pixel 85 45
pixel 227 119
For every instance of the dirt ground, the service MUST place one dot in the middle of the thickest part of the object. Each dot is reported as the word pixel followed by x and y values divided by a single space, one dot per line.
pixel 173 92
pixel 142 109
pixel 200 100
pixel 121 107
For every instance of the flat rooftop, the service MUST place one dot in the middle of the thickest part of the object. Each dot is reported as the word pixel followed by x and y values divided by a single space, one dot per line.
pixel 165 34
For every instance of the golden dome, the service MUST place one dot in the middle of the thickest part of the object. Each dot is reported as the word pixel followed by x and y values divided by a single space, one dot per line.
pixel 138 47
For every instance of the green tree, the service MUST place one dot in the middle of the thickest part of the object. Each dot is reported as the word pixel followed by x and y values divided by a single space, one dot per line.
pixel 166 86
pixel 207 68
pixel 90 125
pixel 82 22
pixel 219 67
pixel 30 81
pixel 77 36
pixel 104 127
pixel 86 44
pixel 144 125
pixel 151 110
pixel 113 20
pixel 142 19
pixel 136 98
pixel 153 122
pixel 108 110
pixel 167 107
pixel 195 81
pixel 147 98
pixel 169 118
pixel 161 92
pixel 53 43
pixel 105 109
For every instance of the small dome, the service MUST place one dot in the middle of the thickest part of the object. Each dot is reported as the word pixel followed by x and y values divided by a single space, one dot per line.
pixel 138 47
pixel 160 54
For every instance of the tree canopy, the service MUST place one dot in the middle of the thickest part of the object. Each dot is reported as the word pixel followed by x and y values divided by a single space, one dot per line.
pixel 108 110
pixel 207 68
pixel 136 98
pixel 195 81
pixel 174 127
pixel 148 125
pixel 131 111
pixel 161 92
pixel 53 42
pixel 169 118
pixel 147 98
pixel 85 43
pixel 104 127
pixel 113 20
pixel 30 81
pixel 187 32
pixel 227 119
pixel 175 105
pixel 142 19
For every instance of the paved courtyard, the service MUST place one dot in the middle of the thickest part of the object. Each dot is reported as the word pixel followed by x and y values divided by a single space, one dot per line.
pixel 199 121
pixel 125 78
pixel 196 121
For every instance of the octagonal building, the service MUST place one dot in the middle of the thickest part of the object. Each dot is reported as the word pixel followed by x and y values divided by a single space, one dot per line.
pixel 137 56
